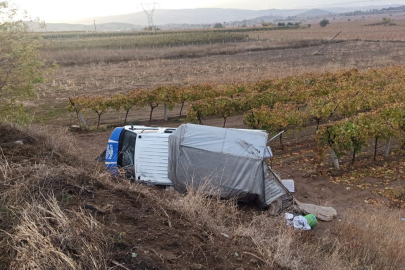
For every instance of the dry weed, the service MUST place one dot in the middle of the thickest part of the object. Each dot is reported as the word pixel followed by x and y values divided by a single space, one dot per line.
pixel 373 239
pixel 49 238
pixel 36 233
pixel 40 234
pixel 348 247
pixel 204 206
pixel 84 56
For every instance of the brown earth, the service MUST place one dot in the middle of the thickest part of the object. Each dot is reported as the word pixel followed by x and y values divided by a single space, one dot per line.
pixel 142 228
pixel 109 78
pixel 143 232
pixel 314 177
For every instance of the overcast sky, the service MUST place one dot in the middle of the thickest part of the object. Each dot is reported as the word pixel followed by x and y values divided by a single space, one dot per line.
pixel 73 10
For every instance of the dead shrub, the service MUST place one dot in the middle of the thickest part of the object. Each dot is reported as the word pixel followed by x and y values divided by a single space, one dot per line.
pixel 204 206
pixel 373 238
pixel 285 247
pixel 49 238
pixel 36 232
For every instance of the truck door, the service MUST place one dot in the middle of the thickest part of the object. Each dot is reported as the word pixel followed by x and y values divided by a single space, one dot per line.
pixel 126 149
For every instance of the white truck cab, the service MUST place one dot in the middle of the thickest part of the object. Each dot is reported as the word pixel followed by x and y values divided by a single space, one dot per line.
pixel 140 152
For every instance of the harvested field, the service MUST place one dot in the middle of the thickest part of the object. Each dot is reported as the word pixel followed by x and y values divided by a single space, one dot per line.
pixel 59 209
pixel 245 66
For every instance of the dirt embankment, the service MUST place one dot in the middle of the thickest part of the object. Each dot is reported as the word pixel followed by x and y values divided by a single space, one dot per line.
pixel 59 211
pixel 130 227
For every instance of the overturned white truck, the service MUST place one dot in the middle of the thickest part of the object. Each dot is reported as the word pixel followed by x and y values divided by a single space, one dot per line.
pixel 231 161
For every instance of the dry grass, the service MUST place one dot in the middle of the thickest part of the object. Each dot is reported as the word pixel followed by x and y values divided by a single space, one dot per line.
pixel 80 53
pixel 41 233
pixel 353 30
pixel 277 54
pixel 348 247
pixel 49 238
pixel 99 55
pixel 374 238
pixel 205 207
pixel 109 78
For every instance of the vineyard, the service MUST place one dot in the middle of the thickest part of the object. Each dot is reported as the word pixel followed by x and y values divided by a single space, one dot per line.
pixel 126 42
pixel 334 110
pixel 349 108
pixel 85 35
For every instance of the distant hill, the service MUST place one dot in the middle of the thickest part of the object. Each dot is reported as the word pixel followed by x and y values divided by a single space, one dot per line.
pixel 199 18
pixel 214 15
pixel 105 27
pixel 362 8
pixel 196 16
pixel 314 13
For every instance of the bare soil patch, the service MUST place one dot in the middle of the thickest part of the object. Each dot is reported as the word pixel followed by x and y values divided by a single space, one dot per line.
pixel 247 66
pixel 141 232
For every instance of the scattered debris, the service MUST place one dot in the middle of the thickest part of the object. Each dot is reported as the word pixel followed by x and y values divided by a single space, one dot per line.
pixel 75 128
pixel 92 208
pixel 320 212
pixel 224 234
pixel 289 184
pixel 298 222
pixel 19 142
pixel 312 221
pixel 120 265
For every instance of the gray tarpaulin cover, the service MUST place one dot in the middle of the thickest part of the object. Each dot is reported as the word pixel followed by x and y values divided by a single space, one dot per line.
pixel 230 160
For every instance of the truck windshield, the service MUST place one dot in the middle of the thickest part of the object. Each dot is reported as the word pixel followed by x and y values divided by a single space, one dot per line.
pixel 126 156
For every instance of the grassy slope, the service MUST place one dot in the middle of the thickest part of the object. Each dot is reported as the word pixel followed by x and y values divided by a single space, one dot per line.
pixel 60 212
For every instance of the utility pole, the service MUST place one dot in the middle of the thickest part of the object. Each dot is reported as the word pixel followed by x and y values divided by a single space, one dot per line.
pixel 95 28
pixel 327 43
pixel 149 14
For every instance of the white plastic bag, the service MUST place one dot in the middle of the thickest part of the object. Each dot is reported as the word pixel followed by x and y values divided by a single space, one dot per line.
pixel 298 222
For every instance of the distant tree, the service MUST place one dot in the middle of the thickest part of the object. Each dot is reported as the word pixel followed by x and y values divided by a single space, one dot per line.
pixel 290 23
pixel 20 63
pixel 387 21
pixel 218 25
pixel 281 24
pixel 324 23
pixel 309 25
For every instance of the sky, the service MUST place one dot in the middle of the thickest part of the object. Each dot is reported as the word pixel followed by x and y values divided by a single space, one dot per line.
pixel 76 10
